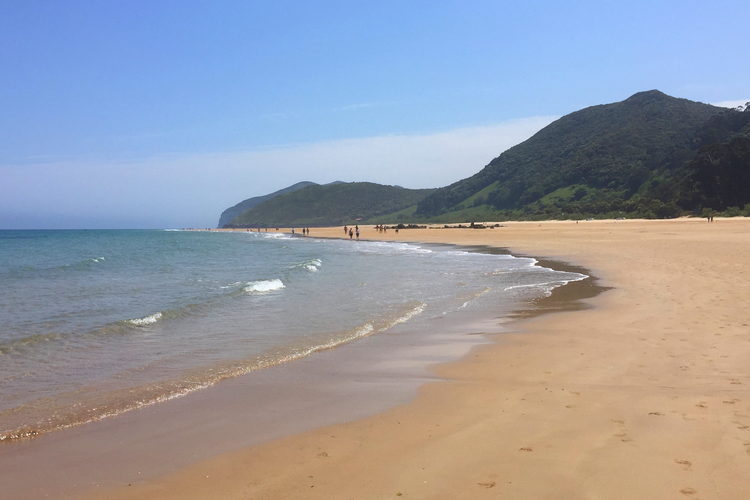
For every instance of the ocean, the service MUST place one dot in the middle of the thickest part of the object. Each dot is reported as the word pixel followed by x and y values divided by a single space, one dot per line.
pixel 99 322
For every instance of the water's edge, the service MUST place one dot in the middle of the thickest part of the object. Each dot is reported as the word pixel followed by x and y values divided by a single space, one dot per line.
pixel 322 400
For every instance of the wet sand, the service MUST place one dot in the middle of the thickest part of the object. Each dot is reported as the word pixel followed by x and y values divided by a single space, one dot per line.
pixel 646 394
pixel 344 384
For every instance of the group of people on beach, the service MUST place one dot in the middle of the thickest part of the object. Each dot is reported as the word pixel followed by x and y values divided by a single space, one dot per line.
pixel 381 228
pixel 305 231
pixel 351 231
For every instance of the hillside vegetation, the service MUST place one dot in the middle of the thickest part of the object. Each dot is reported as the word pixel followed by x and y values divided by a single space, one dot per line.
pixel 330 205
pixel 232 212
pixel 630 158
pixel 650 155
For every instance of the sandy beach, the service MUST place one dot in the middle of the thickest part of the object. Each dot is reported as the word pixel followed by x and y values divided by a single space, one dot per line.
pixel 645 394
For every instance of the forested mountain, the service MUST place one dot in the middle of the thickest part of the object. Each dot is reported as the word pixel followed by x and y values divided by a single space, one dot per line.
pixel 650 155
pixel 626 158
pixel 330 205
pixel 719 176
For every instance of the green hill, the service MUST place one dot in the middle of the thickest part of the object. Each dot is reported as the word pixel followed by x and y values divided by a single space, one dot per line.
pixel 627 158
pixel 230 213
pixel 650 155
pixel 331 205
pixel 719 176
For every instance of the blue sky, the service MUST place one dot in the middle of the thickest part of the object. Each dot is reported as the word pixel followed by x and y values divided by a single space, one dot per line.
pixel 163 113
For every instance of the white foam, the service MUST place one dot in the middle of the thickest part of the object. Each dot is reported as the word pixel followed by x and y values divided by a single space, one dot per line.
pixel 313 265
pixel 358 332
pixel 389 248
pixel 419 309
pixel 548 286
pixel 147 320
pixel 475 296
pixel 264 286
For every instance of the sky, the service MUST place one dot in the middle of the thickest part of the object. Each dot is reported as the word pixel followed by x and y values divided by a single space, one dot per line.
pixel 157 114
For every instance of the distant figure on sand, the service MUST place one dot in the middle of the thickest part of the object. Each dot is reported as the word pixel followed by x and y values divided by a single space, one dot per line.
pixel 358 233
pixel 346 230
pixel 351 233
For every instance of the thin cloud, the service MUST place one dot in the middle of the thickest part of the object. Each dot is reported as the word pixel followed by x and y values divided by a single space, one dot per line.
pixel 192 190
pixel 732 104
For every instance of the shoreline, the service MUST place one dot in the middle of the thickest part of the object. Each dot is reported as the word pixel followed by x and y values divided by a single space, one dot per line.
pixel 644 395
pixel 389 380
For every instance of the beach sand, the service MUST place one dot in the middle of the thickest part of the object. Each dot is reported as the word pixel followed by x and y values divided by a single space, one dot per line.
pixel 644 395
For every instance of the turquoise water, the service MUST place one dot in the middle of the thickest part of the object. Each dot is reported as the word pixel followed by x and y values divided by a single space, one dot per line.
pixel 95 323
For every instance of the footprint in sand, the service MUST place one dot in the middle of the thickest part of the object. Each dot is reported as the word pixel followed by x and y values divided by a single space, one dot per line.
pixel 686 464
pixel 623 437
pixel 489 484
pixel 656 413
pixel 525 449
pixel 688 491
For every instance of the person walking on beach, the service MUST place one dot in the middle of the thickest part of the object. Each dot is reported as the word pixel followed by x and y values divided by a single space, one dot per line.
pixel 351 233
pixel 357 233
pixel 346 230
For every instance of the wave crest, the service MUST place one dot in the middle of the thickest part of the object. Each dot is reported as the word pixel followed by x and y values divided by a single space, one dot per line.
pixel 263 286
pixel 146 320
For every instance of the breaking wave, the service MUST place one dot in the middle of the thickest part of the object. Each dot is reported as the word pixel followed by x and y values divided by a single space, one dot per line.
pixel 263 286
pixel 146 320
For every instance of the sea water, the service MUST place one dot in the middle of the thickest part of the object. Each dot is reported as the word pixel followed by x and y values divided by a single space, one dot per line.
pixel 96 323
